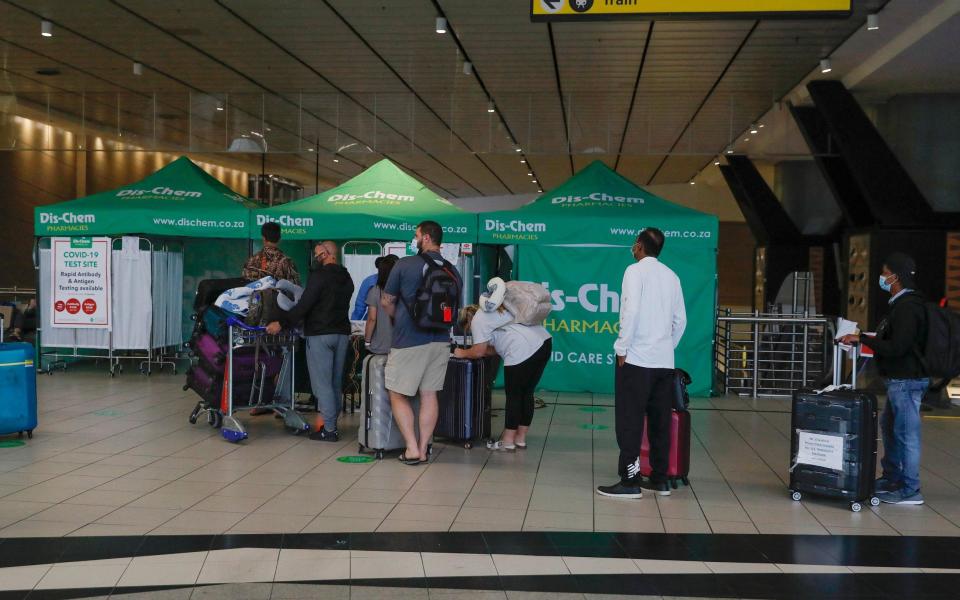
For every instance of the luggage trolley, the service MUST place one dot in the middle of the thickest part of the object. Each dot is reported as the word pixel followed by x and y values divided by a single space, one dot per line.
pixel 281 402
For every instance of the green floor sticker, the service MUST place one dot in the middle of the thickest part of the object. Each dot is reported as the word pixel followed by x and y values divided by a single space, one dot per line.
pixel 594 427
pixel 355 459
pixel 592 409
pixel 11 443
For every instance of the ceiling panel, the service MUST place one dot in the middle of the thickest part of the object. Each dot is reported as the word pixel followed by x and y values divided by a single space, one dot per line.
pixel 371 79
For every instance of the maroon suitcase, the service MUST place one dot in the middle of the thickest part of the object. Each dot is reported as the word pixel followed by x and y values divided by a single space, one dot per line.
pixel 679 462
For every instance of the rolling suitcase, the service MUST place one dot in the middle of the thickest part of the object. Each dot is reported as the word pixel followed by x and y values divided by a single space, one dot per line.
pixel 833 442
pixel 464 402
pixel 18 388
pixel 679 462
pixel 378 432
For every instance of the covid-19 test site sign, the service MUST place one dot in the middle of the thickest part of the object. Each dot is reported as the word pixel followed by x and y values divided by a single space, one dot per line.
pixel 80 282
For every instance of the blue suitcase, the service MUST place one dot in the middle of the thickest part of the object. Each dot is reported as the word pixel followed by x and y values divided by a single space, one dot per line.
pixel 464 402
pixel 18 389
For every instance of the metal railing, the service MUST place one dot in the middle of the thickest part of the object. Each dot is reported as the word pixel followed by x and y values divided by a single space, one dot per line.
pixel 17 294
pixel 771 355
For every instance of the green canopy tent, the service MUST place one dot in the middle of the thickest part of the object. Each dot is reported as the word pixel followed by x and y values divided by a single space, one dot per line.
pixel 381 203
pixel 576 240
pixel 181 201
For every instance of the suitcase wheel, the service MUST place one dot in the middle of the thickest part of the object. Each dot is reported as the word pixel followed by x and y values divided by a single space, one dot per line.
pixel 30 437
pixel 796 496
pixel 673 483
pixel 214 419
pixel 856 506
pixel 685 481
pixel 378 455
pixel 195 414
pixel 874 501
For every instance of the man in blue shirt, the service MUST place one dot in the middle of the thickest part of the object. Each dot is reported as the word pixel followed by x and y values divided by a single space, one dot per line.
pixel 360 304
pixel 418 357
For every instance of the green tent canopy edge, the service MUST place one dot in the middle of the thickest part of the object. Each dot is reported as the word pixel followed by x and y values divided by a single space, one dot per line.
pixel 178 200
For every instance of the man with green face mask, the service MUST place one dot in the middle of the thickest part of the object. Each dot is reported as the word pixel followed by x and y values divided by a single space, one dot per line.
pixel 897 347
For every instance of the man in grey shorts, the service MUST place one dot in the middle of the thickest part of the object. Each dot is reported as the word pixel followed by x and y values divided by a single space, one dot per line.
pixel 418 357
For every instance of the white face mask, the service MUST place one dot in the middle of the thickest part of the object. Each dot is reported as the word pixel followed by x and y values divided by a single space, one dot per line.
pixel 414 248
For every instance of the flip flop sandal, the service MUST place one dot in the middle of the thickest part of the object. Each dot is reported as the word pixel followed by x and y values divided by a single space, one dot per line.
pixel 500 446
pixel 408 461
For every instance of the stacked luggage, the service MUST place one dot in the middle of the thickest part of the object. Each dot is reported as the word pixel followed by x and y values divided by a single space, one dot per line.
pixel 833 442
pixel 208 344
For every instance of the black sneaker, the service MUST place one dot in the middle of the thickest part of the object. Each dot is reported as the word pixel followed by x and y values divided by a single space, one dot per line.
pixel 325 436
pixel 629 489
pixel 661 489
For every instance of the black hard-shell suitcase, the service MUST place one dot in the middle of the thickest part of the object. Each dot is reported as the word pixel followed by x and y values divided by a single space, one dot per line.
pixel 209 290
pixel 848 417
pixel 465 402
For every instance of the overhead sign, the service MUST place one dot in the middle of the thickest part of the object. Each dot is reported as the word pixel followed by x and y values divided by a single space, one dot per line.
pixel 583 10
pixel 81 282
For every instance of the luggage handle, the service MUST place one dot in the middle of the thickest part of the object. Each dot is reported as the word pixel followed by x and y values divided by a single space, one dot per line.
pixel 838 363
pixel 235 322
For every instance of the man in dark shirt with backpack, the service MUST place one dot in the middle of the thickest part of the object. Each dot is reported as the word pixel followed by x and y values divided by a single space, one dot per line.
pixel 897 347
pixel 422 296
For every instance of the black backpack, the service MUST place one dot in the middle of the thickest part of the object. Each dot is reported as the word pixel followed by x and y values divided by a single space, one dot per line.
pixel 941 355
pixel 436 303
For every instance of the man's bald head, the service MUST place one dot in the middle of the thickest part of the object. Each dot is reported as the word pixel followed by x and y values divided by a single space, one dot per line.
pixel 326 252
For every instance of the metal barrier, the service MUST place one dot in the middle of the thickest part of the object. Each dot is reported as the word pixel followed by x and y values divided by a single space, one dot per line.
pixel 762 354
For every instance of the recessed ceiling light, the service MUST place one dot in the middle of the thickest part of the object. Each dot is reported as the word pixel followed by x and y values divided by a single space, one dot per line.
pixel 336 160
pixel 491 108
pixel 519 149
pixel 220 107
pixel 530 174
pixel 761 125
pixel 825 66
pixel 729 150
pixel 873 22
pixel 46 28
pixel 441 25
pixel 754 130
pixel 716 163
pixel 523 161
pixel 693 183
pixel 308 149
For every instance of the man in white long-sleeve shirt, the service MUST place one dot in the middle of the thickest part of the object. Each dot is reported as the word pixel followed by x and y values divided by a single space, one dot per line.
pixel 652 320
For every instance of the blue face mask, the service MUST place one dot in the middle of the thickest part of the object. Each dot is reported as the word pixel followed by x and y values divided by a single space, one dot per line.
pixel 884 285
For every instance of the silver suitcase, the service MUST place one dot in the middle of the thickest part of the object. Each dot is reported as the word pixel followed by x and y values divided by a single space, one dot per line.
pixel 378 431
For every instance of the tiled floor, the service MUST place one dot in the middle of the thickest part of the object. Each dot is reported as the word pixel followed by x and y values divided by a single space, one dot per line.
pixel 119 496
pixel 118 457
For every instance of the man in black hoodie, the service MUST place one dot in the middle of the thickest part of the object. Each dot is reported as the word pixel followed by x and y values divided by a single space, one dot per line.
pixel 324 309
pixel 897 348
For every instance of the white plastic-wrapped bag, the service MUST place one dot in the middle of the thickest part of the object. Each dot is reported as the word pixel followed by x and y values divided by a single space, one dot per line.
pixel 528 302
